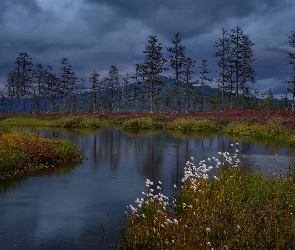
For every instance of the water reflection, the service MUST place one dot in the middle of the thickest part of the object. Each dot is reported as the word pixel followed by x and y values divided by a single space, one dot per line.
pixel 82 206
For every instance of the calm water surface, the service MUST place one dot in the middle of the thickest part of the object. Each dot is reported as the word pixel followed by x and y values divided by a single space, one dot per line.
pixel 83 206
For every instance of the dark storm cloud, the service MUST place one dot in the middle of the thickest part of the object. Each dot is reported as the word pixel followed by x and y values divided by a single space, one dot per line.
pixel 25 7
pixel 95 34
pixel 188 16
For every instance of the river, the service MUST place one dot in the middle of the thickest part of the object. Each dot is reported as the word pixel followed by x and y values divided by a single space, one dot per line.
pixel 82 206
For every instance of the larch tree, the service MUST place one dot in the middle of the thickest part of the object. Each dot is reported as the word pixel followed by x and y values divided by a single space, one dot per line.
pixel 176 60
pixel 112 86
pixel 95 87
pixel 247 70
pixel 65 82
pixel 223 53
pixel 236 41
pixel 242 59
pixel 152 69
pixel 40 75
pixel 204 80
pixel 140 91
pixel 291 61
pixel 188 73
pixel 23 79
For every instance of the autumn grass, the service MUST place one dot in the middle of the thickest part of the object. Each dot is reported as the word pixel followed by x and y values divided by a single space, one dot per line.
pixel 262 125
pixel 65 122
pixel 27 153
pixel 142 123
pixel 233 210
pixel 271 129
pixel 193 125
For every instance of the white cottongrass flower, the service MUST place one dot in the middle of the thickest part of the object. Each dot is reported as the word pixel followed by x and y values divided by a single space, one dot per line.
pixel 160 182
pixel 208 230
pixel 158 187
pixel 238 227
pixel 175 186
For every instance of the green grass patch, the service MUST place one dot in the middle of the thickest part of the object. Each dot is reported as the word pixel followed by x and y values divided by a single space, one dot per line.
pixel 271 130
pixel 233 210
pixel 193 125
pixel 142 123
pixel 24 121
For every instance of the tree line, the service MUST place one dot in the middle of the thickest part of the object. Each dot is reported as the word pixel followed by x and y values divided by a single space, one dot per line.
pixel 37 88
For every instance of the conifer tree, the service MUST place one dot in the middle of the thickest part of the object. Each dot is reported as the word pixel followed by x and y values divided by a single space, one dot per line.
pixel 204 80
pixel 95 87
pixel 291 61
pixel 189 71
pixel 152 68
pixel 176 60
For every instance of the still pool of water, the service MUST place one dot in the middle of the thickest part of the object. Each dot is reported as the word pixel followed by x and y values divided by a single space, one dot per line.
pixel 82 206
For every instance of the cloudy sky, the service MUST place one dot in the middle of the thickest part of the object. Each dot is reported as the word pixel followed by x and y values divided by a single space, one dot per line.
pixel 95 34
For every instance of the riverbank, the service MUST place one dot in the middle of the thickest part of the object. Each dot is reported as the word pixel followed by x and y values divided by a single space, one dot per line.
pixel 234 210
pixel 273 125
pixel 21 154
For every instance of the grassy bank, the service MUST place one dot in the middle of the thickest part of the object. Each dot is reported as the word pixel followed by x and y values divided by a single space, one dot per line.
pixel 275 125
pixel 233 210
pixel 27 153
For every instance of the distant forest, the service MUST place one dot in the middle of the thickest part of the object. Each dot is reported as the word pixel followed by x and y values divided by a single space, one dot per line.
pixel 36 88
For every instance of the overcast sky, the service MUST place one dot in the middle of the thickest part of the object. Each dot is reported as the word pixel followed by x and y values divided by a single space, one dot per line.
pixel 95 34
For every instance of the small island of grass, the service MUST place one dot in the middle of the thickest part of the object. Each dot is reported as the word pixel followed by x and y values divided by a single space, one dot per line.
pixel 22 153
